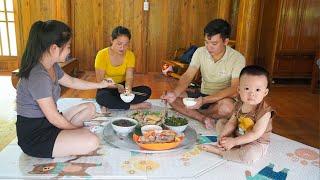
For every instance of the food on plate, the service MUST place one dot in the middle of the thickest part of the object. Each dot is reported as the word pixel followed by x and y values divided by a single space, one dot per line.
pixel 148 117
pixel 164 136
pixel 147 128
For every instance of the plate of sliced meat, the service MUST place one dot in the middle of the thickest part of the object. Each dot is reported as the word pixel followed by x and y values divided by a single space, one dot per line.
pixel 158 140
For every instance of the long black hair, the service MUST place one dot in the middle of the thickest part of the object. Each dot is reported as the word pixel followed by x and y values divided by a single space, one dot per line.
pixel 41 36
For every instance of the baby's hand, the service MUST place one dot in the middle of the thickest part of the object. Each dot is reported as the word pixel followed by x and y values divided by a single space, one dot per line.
pixel 227 142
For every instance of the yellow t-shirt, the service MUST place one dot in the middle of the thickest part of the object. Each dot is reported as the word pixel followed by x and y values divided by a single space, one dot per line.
pixel 117 73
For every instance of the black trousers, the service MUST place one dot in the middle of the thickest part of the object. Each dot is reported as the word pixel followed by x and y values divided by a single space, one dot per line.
pixel 110 98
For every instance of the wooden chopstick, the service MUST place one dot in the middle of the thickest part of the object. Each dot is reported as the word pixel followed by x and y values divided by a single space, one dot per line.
pixel 166 106
pixel 134 92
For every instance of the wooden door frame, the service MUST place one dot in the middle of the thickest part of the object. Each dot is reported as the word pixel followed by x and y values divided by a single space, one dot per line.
pixel 15 59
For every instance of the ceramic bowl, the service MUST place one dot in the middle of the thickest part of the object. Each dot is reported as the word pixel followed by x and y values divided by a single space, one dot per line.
pixel 123 125
pixel 177 129
pixel 189 101
pixel 127 97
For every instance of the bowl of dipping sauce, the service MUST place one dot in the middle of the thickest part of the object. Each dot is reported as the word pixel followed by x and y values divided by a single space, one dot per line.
pixel 123 125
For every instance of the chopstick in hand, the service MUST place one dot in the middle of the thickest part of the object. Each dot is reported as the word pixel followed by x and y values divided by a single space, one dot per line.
pixel 166 106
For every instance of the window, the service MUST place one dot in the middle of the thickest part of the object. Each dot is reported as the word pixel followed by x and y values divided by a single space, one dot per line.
pixel 8 43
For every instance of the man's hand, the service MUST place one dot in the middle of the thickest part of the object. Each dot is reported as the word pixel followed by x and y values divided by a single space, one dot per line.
pixel 227 142
pixel 169 96
pixel 199 103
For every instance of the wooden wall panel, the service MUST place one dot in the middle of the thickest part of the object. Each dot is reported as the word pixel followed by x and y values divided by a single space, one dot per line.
pixel 246 37
pixel 128 13
pixel 176 24
pixel 309 38
pixel 139 36
pixel 63 11
pixel 233 18
pixel 289 30
pixel 224 9
pixel 94 20
pixel 289 37
pixel 156 33
pixel 87 27
pixel 203 12
pixel 31 11
pixel 167 25
pixel 268 34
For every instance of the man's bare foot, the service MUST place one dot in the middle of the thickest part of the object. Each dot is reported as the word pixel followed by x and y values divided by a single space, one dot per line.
pixel 209 123
pixel 212 148
pixel 144 105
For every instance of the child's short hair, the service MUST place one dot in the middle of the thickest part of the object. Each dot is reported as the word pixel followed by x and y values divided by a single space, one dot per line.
pixel 255 71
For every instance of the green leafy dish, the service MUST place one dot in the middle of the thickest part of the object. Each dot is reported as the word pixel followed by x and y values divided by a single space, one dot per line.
pixel 175 121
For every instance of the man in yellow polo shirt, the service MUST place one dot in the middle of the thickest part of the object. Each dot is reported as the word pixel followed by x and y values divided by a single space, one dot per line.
pixel 220 67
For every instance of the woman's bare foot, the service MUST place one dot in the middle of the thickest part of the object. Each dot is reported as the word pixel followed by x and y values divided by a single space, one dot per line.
pixel 103 109
pixel 144 105
pixel 104 112
pixel 212 148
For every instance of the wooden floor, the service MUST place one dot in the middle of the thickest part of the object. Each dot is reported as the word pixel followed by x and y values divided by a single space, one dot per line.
pixel 298 112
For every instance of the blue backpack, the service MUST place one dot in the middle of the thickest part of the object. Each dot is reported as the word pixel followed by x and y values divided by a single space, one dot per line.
pixel 187 55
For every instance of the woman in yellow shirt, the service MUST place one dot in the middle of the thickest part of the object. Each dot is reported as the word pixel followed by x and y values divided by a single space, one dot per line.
pixel 117 62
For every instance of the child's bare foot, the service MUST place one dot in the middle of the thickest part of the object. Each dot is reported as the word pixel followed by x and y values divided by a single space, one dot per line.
pixel 212 148
pixel 144 105
pixel 209 123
